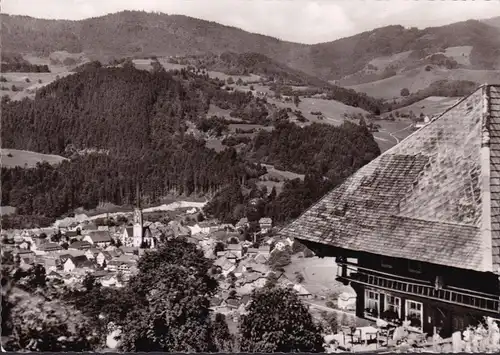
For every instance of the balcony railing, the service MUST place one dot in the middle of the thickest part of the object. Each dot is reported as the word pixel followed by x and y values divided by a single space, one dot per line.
pixel 484 302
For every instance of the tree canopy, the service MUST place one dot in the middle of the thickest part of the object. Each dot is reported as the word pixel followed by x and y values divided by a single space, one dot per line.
pixel 277 321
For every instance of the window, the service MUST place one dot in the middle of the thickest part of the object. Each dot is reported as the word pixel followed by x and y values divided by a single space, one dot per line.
pixel 386 262
pixel 414 313
pixel 392 308
pixel 415 266
pixel 372 304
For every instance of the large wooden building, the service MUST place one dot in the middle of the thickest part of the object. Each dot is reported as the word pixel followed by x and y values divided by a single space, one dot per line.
pixel 416 232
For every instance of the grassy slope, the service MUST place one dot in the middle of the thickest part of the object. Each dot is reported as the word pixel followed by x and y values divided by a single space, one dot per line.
pixel 418 79
pixel 24 158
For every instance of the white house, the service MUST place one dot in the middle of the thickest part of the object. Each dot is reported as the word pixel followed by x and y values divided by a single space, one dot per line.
pixel 196 229
pixel 76 262
pixel 265 224
pixel 127 237
pixel 102 257
pixel 98 238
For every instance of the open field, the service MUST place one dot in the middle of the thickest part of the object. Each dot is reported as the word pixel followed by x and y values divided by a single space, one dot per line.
pixel 27 83
pixel 433 105
pixel 460 54
pixel 145 64
pixel 26 159
pixel 247 126
pixel 319 274
pixel 219 112
pixel 418 79
pixel 6 210
pixel 281 174
pixel 333 111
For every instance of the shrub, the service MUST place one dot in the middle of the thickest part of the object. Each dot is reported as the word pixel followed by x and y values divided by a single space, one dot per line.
pixel 405 92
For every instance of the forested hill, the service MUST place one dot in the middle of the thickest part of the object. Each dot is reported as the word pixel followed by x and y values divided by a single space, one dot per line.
pixel 123 126
pixel 123 110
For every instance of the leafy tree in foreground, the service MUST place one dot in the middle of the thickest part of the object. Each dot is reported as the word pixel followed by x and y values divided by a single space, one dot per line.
pixel 168 301
pixel 39 325
pixel 277 321
pixel 222 338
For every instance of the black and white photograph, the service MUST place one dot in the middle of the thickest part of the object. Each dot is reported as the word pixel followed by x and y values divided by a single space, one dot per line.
pixel 239 176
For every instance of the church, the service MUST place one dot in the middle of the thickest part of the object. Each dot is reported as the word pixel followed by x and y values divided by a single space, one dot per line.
pixel 138 236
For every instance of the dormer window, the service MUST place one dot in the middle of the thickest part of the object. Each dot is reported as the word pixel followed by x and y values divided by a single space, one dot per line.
pixel 340 210
pixel 386 262
pixel 415 266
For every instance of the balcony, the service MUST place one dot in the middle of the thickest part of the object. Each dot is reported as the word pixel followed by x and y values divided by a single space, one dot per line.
pixel 466 298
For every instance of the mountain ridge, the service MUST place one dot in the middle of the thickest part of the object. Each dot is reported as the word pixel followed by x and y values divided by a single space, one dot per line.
pixel 136 33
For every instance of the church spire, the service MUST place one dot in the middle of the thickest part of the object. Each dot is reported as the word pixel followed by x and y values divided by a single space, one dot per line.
pixel 137 196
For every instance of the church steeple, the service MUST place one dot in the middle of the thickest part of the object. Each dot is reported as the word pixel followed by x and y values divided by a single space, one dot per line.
pixel 138 224
pixel 137 196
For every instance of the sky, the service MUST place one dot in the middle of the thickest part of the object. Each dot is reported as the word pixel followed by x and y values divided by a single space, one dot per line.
pixel 304 21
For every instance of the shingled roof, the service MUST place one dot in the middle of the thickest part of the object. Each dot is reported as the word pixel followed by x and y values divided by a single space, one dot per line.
pixel 434 197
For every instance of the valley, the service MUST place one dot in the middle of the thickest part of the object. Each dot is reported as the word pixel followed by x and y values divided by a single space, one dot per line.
pixel 185 184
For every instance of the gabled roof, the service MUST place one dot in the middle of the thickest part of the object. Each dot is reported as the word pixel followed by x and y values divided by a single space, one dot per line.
pixel 129 231
pixel 266 220
pixel 99 236
pixel 80 245
pixel 50 246
pixel 81 261
pixel 434 197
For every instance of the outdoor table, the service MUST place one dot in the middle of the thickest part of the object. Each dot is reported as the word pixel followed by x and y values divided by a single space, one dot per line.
pixel 367 333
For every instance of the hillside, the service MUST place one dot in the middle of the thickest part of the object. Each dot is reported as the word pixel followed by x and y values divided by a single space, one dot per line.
pixel 247 63
pixel 133 33
pixel 123 127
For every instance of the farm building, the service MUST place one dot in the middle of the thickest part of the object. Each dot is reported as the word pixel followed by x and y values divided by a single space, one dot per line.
pixel 416 232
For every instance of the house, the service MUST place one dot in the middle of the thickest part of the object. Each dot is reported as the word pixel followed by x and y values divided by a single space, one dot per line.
pixel 265 224
pixel 80 245
pixel 77 262
pixel 207 227
pixel 215 302
pixel 225 265
pixel 420 223
pixel 50 263
pixel 261 258
pixel 71 234
pixel 251 252
pixel 265 250
pixel 101 274
pixel 24 245
pixel 236 250
pixel 129 250
pixel 98 238
pixel 122 264
pixel 26 263
pixel 196 229
pixel 54 275
pixel 92 253
pixel 127 237
pixel 23 253
pixel 103 258
pixel 49 247
pixel 242 223
pixel 109 281
pixel 302 291
pixel 89 226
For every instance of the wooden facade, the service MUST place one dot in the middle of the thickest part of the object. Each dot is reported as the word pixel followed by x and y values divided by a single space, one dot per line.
pixel 416 231
pixel 434 298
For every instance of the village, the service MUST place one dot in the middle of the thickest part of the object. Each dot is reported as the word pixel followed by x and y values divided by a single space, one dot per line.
pixel 111 253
